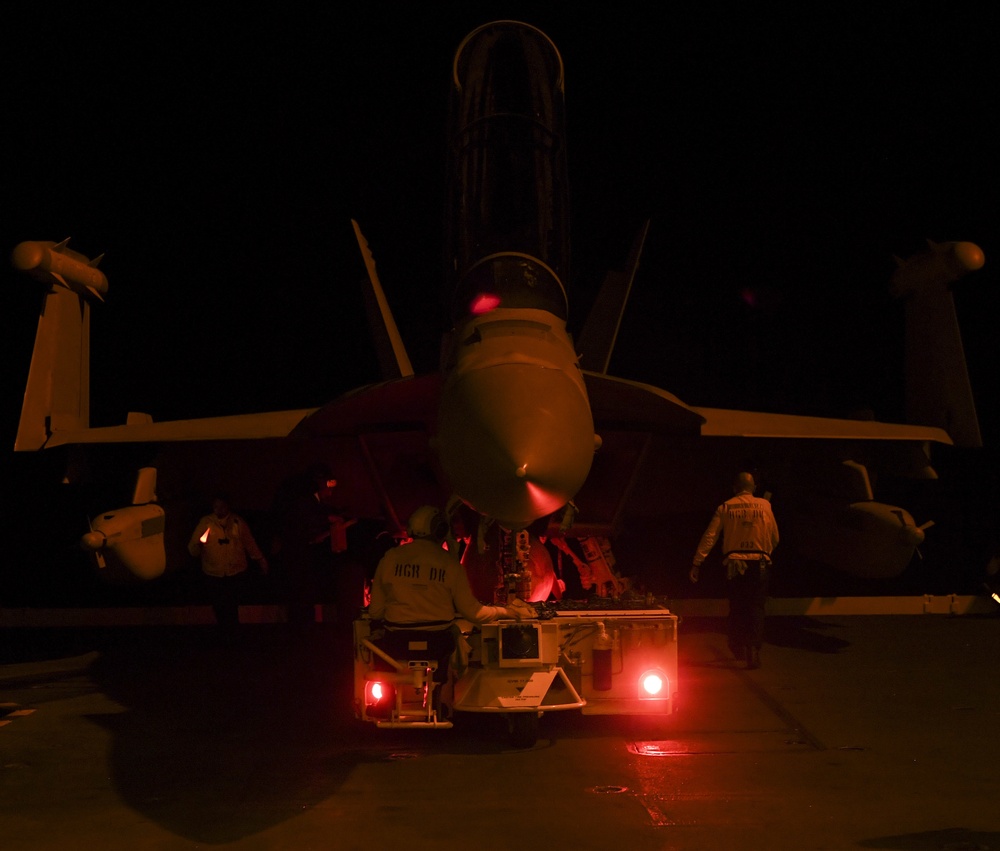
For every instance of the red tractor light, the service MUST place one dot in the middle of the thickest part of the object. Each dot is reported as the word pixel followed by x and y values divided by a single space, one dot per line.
pixel 380 698
pixel 654 685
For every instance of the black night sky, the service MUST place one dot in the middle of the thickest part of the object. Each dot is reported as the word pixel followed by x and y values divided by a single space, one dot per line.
pixel 783 158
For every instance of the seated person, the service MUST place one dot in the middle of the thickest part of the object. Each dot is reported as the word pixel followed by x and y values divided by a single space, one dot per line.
pixel 419 588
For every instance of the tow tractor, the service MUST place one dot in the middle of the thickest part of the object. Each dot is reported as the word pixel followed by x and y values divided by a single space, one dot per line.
pixel 601 657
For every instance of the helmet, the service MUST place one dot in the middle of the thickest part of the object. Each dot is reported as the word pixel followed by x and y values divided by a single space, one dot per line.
pixel 427 522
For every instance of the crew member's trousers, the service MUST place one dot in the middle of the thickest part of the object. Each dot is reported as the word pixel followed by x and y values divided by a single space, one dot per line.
pixel 747 599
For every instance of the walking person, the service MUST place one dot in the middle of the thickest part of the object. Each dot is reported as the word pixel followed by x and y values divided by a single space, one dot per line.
pixel 749 537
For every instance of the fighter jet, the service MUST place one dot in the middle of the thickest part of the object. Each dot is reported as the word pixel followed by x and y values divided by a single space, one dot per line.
pixel 522 426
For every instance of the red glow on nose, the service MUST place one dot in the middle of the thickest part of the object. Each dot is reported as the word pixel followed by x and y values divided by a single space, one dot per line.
pixel 484 303
pixel 543 501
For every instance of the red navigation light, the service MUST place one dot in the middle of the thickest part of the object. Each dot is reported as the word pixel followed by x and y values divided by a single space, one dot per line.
pixel 653 684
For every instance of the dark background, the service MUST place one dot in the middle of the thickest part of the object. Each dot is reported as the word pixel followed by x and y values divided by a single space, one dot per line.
pixel 783 157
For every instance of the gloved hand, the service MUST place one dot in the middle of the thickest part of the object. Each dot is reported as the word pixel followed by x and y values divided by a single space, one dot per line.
pixel 520 610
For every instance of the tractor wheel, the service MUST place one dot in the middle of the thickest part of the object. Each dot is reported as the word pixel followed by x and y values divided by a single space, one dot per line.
pixel 523 729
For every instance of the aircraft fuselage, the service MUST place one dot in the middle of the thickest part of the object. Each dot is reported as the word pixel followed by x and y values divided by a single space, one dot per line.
pixel 515 431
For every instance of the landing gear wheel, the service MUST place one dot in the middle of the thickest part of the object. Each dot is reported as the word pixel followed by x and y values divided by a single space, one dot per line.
pixel 523 729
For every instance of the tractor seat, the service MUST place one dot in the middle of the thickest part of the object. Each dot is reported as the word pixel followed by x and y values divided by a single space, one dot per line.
pixel 417 645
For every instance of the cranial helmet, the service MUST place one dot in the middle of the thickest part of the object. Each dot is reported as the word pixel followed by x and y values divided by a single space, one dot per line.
pixel 427 522
pixel 744 483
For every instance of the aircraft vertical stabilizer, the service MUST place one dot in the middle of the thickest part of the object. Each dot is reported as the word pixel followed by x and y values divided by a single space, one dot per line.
pixel 600 332
pixel 392 357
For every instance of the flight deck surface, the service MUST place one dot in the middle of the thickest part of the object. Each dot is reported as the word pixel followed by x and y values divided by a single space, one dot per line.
pixel 857 732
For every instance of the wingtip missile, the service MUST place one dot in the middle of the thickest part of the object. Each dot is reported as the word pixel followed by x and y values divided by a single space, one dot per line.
pixel 55 264
pixel 941 265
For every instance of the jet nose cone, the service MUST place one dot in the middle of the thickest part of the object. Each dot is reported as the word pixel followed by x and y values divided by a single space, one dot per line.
pixel 515 440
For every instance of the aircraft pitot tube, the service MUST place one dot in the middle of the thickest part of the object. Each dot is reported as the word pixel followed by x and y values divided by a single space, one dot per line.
pixel 515 430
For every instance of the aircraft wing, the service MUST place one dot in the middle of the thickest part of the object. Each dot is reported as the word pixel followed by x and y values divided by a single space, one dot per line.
pixel 388 406
pixel 721 422
pixel 395 405
pixel 659 454
pixel 619 402
pixel 143 430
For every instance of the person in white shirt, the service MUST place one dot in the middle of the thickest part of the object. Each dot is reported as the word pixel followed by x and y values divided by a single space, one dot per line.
pixel 749 537
pixel 223 542
pixel 422 586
